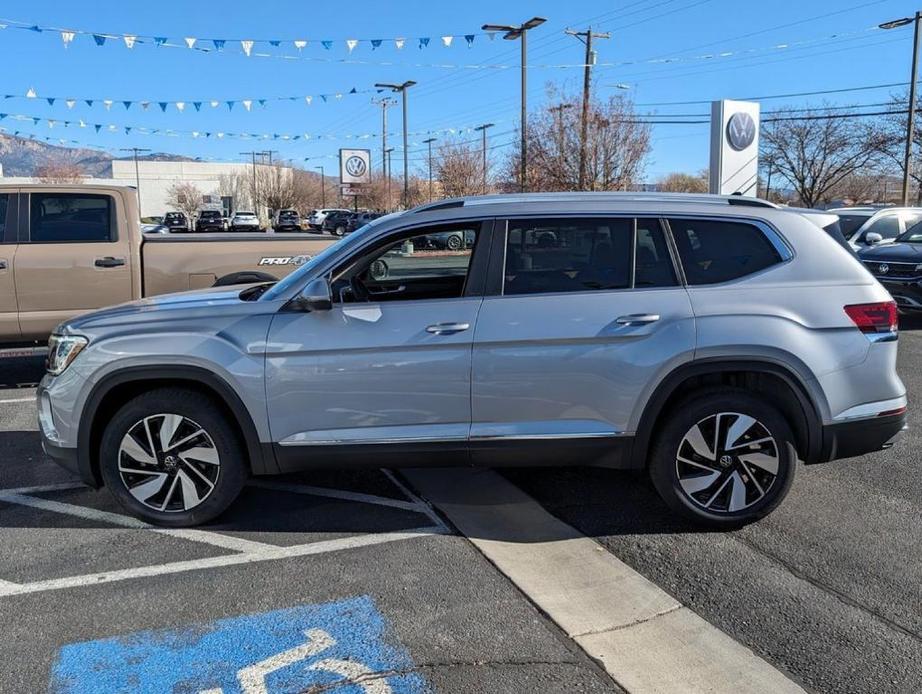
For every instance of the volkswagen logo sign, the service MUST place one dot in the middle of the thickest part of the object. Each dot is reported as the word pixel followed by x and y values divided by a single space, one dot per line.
pixel 883 268
pixel 355 166
pixel 741 131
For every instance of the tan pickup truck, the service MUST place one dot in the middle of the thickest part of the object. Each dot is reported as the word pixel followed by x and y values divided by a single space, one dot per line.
pixel 67 249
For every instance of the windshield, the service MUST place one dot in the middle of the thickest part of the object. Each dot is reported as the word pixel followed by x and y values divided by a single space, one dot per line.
pixel 912 235
pixel 343 246
pixel 850 223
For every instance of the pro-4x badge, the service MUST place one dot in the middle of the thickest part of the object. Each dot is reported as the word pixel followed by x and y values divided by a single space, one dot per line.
pixel 296 260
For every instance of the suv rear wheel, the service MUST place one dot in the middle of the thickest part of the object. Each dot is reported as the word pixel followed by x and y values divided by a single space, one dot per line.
pixel 724 458
pixel 170 457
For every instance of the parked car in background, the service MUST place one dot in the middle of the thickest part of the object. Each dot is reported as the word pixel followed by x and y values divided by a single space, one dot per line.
pixel 209 220
pixel 155 229
pixel 336 222
pixel 176 221
pixel 711 342
pixel 287 220
pixel 77 248
pixel 245 221
pixel 898 266
pixel 449 240
pixel 881 226
pixel 315 221
pixel 359 219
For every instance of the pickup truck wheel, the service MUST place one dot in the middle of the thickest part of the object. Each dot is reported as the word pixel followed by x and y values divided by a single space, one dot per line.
pixel 170 457
pixel 340 231
pixel 244 278
pixel 723 459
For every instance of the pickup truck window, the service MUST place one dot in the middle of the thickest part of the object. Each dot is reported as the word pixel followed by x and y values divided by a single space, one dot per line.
pixel 71 218
pixel 4 204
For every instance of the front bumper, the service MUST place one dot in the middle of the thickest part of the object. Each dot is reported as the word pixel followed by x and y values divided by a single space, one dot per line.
pixel 67 457
pixel 861 436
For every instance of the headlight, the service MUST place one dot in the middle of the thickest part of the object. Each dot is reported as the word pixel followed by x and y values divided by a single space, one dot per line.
pixel 62 350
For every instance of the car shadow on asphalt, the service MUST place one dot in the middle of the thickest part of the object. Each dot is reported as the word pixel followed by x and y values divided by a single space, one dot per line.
pixel 20 372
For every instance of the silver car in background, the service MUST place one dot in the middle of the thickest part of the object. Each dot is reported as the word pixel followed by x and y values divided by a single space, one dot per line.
pixel 710 341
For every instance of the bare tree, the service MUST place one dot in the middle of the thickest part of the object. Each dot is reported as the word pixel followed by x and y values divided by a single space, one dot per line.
pixel 459 169
pixel 617 145
pixel 184 197
pixel 892 144
pixel 815 151
pixel 684 183
pixel 59 173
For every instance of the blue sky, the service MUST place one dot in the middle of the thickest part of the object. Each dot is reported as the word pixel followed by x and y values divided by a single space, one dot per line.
pixel 830 45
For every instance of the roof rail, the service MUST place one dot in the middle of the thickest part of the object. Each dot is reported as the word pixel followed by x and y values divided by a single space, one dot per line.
pixel 613 196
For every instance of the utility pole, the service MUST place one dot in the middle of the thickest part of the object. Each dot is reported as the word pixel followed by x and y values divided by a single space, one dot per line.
pixel 911 120
pixel 429 142
pixel 586 37
pixel 402 88
pixel 483 132
pixel 384 103
pixel 513 33
pixel 323 188
pixel 559 109
pixel 137 174
pixel 387 178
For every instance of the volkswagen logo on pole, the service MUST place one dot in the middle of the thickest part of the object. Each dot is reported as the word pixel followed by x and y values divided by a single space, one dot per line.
pixel 354 165
pixel 741 131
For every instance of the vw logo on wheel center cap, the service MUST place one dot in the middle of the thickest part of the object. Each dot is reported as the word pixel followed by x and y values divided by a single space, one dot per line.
pixel 725 460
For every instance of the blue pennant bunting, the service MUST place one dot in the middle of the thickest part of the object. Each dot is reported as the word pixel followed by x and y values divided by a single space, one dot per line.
pixel 262 102
pixel 376 43
pixel 219 44
pixel 424 41
pixel 36 120
pixel 3 115
pixel 353 91
pixel 162 105
pixel 88 102
pixel 50 100
pixel 324 97
pixel 160 40
pixel 197 105
pixel 127 130
pixel 230 105
pixel 36 28
pixel 99 39
pixel 470 39
pixel 327 44
pixel 98 127
pixel 275 43
pixel 127 104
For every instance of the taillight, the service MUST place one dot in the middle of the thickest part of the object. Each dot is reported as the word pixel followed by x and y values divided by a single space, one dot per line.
pixel 880 317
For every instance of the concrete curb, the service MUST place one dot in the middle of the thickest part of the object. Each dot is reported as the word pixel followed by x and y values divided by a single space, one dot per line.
pixel 646 640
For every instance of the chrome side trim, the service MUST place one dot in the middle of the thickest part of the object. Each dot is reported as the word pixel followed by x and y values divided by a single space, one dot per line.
pixel 871 409
pixel 377 441
pixel 545 437
pixel 889 336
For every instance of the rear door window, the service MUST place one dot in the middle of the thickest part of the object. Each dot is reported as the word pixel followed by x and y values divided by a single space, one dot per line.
pixel 71 218
pixel 714 251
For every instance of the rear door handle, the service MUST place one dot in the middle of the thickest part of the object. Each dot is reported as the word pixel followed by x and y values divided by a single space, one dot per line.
pixel 109 261
pixel 447 328
pixel 637 319
pixel 3 265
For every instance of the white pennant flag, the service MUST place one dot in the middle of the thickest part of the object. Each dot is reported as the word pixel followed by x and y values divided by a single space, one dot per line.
pixel 308 100
pixel 339 96
pixel 82 123
pixel 195 133
pixel 190 41
pixel 247 104
pixel 67 37
pixel 300 44
pixel 51 123
pixel 447 40
pixel 215 103
pixel 220 135
pixel 108 103
pixel 399 43
pixel 351 44
pixel 247 46
pixel 71 103
pixel 129 40
pixel 180 106
pixel 31 93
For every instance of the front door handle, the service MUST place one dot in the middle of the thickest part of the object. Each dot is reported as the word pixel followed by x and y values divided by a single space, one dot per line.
pixel 3 265
pixel 109 261
pixel 637 319
pixel 447 328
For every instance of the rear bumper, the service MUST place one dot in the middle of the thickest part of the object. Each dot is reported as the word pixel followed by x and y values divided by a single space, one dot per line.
pixel 861 436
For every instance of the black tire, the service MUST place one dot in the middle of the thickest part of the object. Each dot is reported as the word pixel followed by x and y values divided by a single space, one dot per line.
pixel 340 231
pixel 717 412
pixel 454 243
pixel 231 472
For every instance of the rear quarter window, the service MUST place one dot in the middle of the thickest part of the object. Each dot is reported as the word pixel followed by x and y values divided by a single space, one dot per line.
pixel 715 251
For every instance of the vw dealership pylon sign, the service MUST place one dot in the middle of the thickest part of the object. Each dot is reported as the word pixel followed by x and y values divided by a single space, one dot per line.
pixel 734 147
pixel 355 165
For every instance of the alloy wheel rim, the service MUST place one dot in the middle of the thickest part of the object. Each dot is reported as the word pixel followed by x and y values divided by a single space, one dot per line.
pixel 169 463
pixel 727 462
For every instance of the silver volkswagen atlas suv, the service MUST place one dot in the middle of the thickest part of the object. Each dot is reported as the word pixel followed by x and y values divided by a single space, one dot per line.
pixel 711 341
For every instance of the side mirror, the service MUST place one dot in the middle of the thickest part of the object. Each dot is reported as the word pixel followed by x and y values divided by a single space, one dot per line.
pixel 316 296
pixel 872 238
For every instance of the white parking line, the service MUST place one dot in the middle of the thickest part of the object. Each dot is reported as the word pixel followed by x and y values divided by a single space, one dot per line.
pixel 304 550
pixel 13 400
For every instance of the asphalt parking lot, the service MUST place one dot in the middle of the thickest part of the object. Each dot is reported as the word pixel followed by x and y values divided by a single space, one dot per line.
pixel 350 573
pixel 828 589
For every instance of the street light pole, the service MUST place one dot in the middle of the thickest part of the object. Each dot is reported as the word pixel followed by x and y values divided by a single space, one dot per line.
pixel 483 132
pixel 513 33
pixel 429 142
pixel 911 121
pixel 384 104
pixel 137 173
pixel 402 88
pixel 323 188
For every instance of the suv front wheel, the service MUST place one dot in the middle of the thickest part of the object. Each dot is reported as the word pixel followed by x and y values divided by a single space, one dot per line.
pixel 170 457
pixel 724 458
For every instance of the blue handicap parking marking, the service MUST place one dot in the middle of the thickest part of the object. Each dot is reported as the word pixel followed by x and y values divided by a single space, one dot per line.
pixel 346 645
